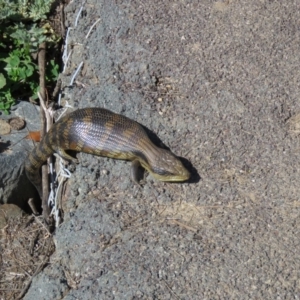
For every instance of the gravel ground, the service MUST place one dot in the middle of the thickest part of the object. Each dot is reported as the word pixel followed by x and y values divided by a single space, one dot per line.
pixel 218 83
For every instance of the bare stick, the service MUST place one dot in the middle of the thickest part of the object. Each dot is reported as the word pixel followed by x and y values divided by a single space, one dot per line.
pixel 92 28
pixel 65 53
pixel 45 189
pixel 75 74
pixel 48 117
pixel 32 206
pixel 79 13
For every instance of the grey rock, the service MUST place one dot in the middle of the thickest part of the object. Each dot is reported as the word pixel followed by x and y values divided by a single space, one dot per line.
pixel 50 284
pixel 217 82
pixel 15 188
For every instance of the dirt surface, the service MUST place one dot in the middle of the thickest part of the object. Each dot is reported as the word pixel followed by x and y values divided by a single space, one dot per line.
pixel 218 83
pixel 25 246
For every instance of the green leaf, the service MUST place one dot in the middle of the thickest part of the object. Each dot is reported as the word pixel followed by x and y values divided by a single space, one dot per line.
pixel 22 73
pixel 29 70
pixel 2 81
pixel 14 61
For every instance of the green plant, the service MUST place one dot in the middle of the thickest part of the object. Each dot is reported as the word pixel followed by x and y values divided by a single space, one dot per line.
pixel 29 37
pixel 52 71
pixel 18 10
pixel 6 99
pixel 18 48
pixel 19 65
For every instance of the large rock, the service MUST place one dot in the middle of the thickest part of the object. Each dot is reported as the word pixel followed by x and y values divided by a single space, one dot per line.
pixel 14 186
pixel 216 81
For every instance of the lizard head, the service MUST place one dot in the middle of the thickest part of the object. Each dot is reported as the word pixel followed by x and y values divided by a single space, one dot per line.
pixel 163 165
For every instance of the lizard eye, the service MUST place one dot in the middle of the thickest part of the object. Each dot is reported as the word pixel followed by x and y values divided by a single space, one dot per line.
pixel 161 172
